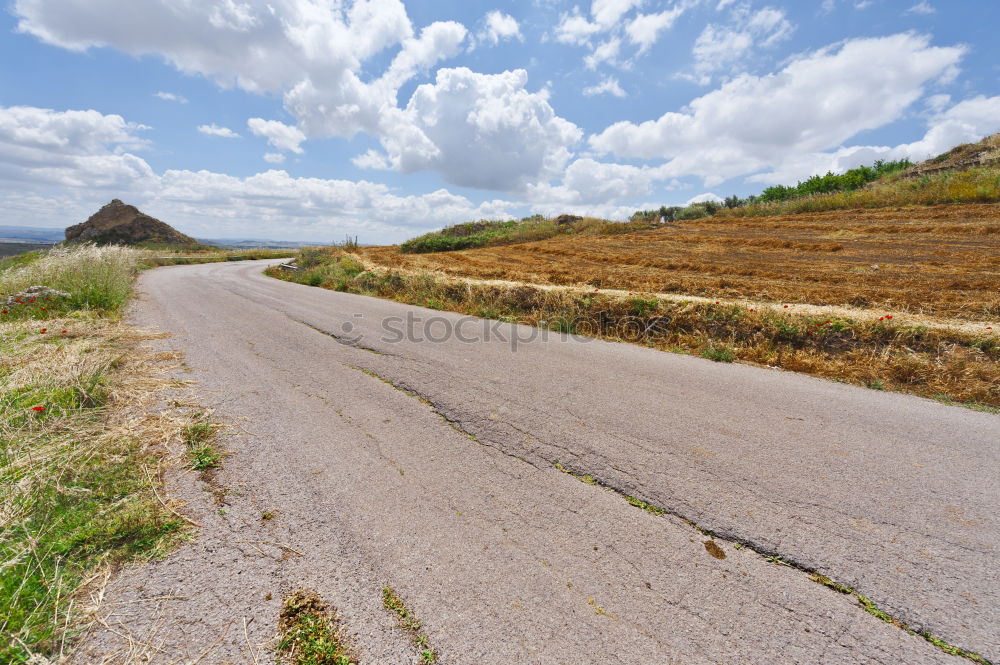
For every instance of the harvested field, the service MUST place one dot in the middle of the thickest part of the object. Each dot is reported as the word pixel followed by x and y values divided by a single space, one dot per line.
pixel 941 261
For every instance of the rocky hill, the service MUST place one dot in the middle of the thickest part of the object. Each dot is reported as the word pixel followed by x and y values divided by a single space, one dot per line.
pixel 960 158
pixel 120 223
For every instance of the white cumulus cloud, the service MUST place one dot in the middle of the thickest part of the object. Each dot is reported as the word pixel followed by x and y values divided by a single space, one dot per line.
pixel 924 8
pixel 608 86
pixel 278 134
pixel 645 29
pixel 815 103
pixel 216 130
pixel 312 52
pixel 616 21
pixel 722 47
pixel 500 26
pixel 477 130
pixel 69 148
pixel 171 97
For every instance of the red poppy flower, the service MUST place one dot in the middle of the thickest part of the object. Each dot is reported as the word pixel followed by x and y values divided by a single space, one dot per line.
pixel 751 310
pixel 43 309
pixel 38 408
pixel 42 331
pixel 716 302
pixel 881 318
pixel 786 306
pixel 63 332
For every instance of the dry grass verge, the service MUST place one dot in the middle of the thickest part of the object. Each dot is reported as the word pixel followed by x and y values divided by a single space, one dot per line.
pixel 887 354
pixel 154 258
pixel 80 450
pixel 81 441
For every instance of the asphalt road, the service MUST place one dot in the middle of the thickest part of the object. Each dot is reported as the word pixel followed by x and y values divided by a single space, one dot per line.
pixel 401 446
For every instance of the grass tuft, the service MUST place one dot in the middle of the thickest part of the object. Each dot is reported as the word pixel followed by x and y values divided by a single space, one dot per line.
pixel 198 435
pixel 310 633
pixel 410 623
pixel 718 354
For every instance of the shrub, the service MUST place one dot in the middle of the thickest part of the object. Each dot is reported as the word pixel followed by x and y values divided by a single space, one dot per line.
pixel 718 354
pixel 831 182
pixel 691 212
pixel 975 185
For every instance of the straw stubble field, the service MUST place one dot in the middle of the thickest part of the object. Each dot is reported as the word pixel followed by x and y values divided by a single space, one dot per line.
pixel 942 261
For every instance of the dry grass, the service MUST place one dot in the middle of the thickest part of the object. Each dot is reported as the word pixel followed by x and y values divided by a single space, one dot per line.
pixel 937 260
pixel 81 441
pixel 77 479
pixel 162 257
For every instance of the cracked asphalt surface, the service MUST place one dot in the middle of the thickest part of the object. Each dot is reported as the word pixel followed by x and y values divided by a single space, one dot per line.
pixel 439 481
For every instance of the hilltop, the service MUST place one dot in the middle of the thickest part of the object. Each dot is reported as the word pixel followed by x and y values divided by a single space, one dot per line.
pixel 123 224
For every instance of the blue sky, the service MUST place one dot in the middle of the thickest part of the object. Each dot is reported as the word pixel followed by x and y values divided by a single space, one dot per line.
pixel 312 119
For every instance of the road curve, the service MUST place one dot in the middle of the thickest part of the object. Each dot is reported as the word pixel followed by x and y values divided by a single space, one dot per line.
pixel 438 480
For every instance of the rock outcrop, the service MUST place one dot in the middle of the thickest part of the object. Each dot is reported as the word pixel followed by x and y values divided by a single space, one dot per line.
pixel 33 294
pixel 122 224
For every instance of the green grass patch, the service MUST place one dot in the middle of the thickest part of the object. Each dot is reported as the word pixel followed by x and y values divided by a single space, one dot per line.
pixel 19 260
pixel 202 453
pixel 719 354
pixel 78 469
pixel 310 633
pixel 410 623
pixel 204 456
pixel 644 505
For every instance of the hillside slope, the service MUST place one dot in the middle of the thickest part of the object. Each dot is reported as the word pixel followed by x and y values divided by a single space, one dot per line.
pixel 938 260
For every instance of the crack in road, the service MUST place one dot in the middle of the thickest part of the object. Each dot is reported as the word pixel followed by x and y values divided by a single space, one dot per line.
pixel 769 554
